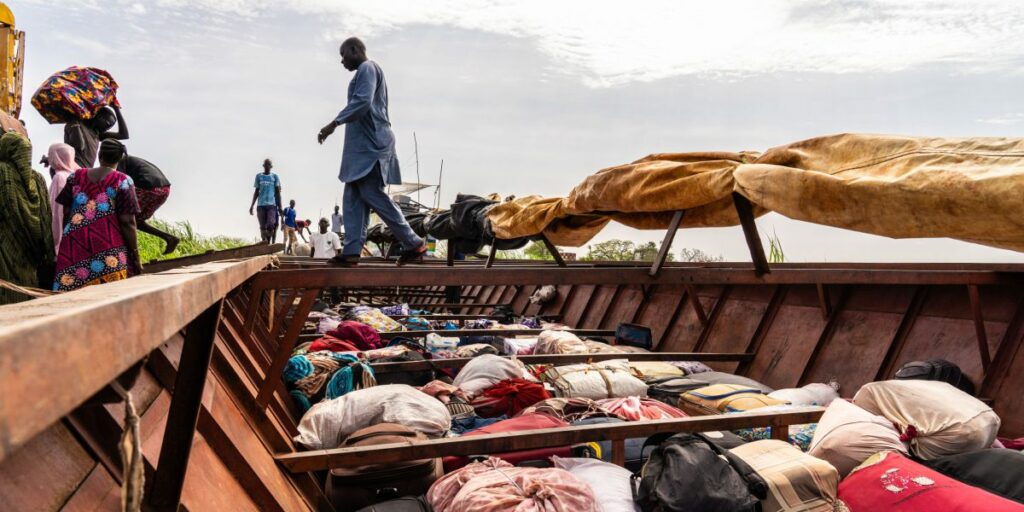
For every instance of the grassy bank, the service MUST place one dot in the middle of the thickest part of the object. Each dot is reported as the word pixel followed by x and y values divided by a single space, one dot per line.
pixel 151 248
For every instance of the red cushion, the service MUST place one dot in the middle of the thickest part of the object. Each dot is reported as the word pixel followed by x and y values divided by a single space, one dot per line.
pixel 900 484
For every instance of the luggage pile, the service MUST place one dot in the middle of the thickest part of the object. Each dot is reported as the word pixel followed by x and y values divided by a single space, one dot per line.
pixel 919 442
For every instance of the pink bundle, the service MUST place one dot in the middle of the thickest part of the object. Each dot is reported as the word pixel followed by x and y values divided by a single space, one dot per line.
pixel 442 391
pixel 633 408
pixel 497 486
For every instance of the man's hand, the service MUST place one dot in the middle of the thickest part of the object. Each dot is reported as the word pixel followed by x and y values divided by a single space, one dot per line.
pixel 250 210
pixel 325 132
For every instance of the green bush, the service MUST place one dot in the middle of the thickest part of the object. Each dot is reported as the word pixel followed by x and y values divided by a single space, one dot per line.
pixel 151 248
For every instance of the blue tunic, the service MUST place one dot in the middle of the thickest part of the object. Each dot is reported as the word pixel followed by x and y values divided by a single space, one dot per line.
pixel 368 136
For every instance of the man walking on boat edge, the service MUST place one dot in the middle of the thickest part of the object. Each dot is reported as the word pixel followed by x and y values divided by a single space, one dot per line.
pixel 368 161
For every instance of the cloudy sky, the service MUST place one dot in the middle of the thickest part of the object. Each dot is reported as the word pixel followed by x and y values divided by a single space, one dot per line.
pixel 530 97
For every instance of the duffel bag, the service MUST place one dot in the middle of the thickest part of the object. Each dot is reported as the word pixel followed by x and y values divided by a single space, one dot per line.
pixel 891 482
pixel 669 389
pixel 796 481
pixel 688 472
pixel 354 488
pixel 517 424
pixel 847 435
pixel 996 470
pixel 936 369
pixel 721 398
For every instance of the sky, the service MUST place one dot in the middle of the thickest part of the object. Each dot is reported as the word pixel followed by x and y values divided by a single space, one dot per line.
pixel 531 97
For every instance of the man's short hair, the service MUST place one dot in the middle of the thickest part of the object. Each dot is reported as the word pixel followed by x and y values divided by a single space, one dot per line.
pixel 266 161
pixel 354 46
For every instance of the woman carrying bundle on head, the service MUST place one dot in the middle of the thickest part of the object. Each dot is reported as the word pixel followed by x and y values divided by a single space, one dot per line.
pixel 99 243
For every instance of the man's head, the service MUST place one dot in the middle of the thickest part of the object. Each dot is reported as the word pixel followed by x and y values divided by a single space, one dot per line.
pixel 324 224
pixel 103 120
pixel 267 166
pixel 111 152
pixel 291 203
pixel 336 208
pixel 353 53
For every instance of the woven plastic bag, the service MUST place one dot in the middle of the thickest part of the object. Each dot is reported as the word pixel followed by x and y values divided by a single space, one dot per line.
pixel 75 93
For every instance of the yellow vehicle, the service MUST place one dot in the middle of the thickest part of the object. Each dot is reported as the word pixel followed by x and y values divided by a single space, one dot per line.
pixel 12 63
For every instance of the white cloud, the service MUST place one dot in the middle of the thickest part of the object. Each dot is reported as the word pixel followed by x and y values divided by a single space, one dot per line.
pixel 1004 119
pixel 608 43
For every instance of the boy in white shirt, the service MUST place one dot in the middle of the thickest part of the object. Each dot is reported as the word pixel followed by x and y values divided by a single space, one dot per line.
pixel 324 243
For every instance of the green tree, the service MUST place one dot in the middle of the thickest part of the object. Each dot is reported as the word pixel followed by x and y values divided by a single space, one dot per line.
pixel 537 251
pixel 611 250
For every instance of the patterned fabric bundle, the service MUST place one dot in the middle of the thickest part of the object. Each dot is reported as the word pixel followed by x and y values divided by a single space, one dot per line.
pixel 416 323
pixel 569 410
pixel 398 309
pixel 359 334
pixel 75 93
pixel 496 486
pixel 25 237
pixel 508 398
pixel 374 318
pixel 799 435
pixel 691 367
pixel 318 375
pixel 530 322
pixel 796 481
pixel 480 324
pixel 331 344
pixel 635 408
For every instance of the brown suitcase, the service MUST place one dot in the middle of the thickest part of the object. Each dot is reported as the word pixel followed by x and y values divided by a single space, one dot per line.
pixel 350 489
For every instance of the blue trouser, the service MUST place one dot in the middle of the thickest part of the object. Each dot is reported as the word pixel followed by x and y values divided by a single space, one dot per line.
pixel 361 196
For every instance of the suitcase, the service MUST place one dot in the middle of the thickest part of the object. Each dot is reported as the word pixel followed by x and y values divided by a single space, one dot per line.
pixel 722 398
pixel 524 457
pixel 350 489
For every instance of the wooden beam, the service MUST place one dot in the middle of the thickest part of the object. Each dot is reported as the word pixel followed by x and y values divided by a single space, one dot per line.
pixel 553 250
pixel 899 339
pixel 560 359
pixel 824 301
pixel 169 479
pixel 778 298
pixel 698 308
pixel 318 460
pixel 493 254
pixel 666 244
pixel 979 326
pixel 709 326
pixel 248 251
pixel 161 305
pixel 505 275
pixel 826 336
pixel 285 346
pixel 745 211
pixel 1005 353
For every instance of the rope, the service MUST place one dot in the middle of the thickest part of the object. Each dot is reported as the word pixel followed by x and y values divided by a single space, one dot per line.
pixel 133 477
pixel 35 293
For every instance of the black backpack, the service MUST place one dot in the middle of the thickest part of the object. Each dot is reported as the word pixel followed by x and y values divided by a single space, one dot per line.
pixel 936 369
pixel 690 473
pixel 634 335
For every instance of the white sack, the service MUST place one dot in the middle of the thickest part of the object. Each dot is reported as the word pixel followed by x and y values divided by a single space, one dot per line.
pixel 847 435
pixel 487 370
pixel 520 346
pixel 812 394
pixel 560 342
pixel 947 421
pixel 605 379
pixel 610 483
pixel 329 422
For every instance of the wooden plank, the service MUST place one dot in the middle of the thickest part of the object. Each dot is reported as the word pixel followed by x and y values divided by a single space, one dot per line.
pixel 248 251
pixel 826 335
pixel 285 346
pixel 165 493
pixel 1004 353
pixel 898 340
pixel 745 211
pixel 95 314
pixel 709 323
pixel 553 250
pixel 666 244
pixel 318 460
pixel 778 295
pixel 559 359
pixel 506 275
pixel 698 308
pixel 979 326
pixel 824 300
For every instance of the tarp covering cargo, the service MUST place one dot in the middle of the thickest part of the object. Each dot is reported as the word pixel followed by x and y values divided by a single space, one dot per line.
pixel 895 186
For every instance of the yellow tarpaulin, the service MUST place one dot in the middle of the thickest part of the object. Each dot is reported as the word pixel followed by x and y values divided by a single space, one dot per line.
pixel 901 187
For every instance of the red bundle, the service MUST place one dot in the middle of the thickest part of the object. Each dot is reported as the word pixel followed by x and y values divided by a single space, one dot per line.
pixel 508 397
pixel 333 344
pixel 361 335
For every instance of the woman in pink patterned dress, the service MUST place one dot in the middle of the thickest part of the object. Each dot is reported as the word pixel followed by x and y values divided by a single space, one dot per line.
pixel 99 243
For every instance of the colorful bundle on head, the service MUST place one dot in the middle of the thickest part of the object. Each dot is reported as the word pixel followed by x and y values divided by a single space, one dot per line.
pixel 75 93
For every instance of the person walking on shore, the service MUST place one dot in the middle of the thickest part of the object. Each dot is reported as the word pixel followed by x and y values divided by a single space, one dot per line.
pixel 268 194
pixel 368 161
